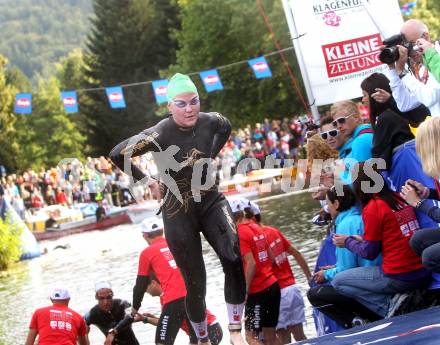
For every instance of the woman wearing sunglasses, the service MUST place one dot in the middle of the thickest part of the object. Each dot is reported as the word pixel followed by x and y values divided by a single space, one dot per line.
pixel 177 144
pixel 359 137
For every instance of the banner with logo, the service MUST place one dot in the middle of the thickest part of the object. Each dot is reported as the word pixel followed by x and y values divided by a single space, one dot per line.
pixel 70 101
pixel 115 97
pixel 23 103
pixel 160 90
pixel 211 80
pixel 260 67
pixel 339 42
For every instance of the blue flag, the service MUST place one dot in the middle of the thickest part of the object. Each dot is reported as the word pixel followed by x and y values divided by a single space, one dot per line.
pixel 260 67
pixel 70 101
pixel 211 80
pixel 115 97
pixel 23 103
pixel 160 90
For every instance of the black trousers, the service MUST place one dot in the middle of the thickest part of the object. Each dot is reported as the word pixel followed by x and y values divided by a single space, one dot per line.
pixel 340 308
pixel 212 217
pixel 170 321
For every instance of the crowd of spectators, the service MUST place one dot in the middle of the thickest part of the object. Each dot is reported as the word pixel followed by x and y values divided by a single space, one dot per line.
pixel 96 179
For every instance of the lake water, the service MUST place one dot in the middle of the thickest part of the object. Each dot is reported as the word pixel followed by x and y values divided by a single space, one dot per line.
pixel 113 255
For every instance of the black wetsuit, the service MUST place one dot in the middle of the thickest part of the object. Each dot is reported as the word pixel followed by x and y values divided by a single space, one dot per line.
pixel 185 219
pixel 117 319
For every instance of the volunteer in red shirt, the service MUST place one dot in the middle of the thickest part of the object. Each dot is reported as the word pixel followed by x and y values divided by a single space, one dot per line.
pixel 292 305
pixel 263 302
pixel 158 259
pixel 57 324
pixel 215 332
pixel 389 224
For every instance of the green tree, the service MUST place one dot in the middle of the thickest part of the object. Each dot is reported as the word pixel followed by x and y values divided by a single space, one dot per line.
pixel 129 42
pixel 219 32
pixel 48 135
pixel 10 242
pixel 37 33
pixel 70 70
pixel 8 142
pixel 429 11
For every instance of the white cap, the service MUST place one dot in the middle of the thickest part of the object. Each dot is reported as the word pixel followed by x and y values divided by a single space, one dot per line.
pixel 102 285
pixel 254 208
pixel 151 225
pixel 59 294
pixel 238 204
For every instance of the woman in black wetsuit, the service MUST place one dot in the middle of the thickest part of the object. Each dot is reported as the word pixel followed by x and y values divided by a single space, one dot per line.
pixel 191 204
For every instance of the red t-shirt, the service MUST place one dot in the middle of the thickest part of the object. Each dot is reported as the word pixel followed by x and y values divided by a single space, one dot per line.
pixel 253 240
pixel 279 245
pixel 58 325
pixel 158 258
pixel 209 317
pixel 60 197
pixel 394 229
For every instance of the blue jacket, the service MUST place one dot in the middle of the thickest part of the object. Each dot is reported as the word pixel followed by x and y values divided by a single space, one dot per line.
pixel 356 149
pixel 361 145
pixel 349 223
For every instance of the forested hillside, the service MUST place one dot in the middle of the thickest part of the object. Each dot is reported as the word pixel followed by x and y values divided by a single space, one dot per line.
pixel 37 33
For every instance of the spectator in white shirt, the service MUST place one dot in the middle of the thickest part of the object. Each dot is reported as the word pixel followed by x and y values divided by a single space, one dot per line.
pixel 418 86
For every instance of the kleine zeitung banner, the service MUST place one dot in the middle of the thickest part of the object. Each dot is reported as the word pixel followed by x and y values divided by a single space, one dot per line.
pixel 341 42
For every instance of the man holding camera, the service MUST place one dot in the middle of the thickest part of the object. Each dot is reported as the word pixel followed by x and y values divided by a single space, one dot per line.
pixel 415 85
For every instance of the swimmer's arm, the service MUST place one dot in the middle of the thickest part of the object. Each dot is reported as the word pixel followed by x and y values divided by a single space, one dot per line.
pixel 139 291
pixel 132 147
pixel 222 131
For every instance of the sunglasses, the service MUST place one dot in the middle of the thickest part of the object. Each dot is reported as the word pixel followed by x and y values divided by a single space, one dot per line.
pixel 102 298
pixel 183 104
pixel 341 120
pixel 330 133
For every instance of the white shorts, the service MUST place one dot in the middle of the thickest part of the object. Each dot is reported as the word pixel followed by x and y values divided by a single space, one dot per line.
pixel 291 307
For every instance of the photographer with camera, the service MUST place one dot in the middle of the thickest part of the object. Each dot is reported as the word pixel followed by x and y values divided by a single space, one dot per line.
pixel 410 81
pixel 431 56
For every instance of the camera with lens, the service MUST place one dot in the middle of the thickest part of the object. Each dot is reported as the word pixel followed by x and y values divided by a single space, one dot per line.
pixel 390 54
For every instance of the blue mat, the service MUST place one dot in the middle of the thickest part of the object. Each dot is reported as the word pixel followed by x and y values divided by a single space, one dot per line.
pixel 420 327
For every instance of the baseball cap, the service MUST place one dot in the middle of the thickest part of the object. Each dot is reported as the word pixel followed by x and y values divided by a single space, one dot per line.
pixel 59 294
pixel 238 204
pixel 151 225
pixel 102 285
pixel 255 209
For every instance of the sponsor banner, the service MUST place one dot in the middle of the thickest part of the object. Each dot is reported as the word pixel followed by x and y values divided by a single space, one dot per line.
pixel 70 101
pixel 23 103
pixel 211 80
pixel 340 43
pixel 260 67
pixel 115 97
pixel 160 90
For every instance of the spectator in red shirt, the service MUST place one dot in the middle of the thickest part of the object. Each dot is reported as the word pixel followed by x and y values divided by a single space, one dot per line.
pixel 57 324
pixel 389 224
pixel 263 301
pixel 157 258
pixel 60 197
pixel 215 332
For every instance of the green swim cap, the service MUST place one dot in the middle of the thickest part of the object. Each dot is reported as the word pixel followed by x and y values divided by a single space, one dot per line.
pixel 179 84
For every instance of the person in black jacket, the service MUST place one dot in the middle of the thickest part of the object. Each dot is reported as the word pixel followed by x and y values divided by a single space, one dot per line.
pixel 180 145
pixel 110 317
